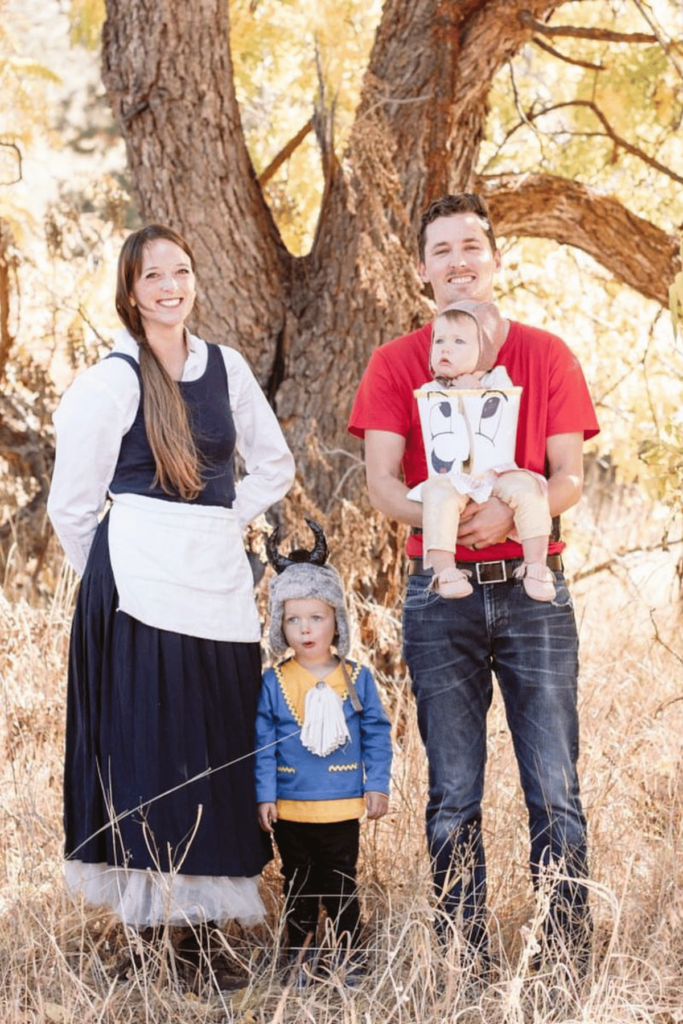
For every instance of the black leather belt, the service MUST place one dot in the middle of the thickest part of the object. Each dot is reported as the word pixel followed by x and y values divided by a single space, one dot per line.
pixel 499 571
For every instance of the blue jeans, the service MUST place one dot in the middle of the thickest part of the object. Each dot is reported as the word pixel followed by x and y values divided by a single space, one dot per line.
pixel 452 647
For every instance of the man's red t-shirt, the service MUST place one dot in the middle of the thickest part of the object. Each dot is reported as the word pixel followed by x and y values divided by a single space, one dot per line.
pixel 554 400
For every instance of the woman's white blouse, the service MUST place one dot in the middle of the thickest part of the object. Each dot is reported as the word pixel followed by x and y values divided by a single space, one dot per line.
pixel 100 407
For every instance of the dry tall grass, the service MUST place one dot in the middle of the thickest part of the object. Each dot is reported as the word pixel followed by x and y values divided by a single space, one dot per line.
pixel 57 960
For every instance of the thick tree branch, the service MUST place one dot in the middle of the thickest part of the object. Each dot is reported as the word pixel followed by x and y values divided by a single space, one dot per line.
pixel 629 247
pixel 443 56
pixel 323 125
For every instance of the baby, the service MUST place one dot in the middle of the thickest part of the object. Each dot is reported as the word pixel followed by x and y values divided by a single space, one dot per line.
pixel 466 338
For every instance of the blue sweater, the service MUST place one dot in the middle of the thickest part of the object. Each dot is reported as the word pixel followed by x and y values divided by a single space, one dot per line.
pixel 288 771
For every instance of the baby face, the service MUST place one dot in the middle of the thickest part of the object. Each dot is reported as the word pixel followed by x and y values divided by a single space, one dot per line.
pixel 455 346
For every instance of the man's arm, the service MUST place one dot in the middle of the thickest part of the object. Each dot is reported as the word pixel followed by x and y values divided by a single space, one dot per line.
pixel 492 521
pixel 387 492
pixel 565 480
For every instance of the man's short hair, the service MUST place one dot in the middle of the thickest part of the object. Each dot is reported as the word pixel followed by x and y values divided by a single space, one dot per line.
pixel 448 206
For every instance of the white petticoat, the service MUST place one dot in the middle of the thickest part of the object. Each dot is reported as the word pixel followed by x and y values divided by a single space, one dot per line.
pixel 147 898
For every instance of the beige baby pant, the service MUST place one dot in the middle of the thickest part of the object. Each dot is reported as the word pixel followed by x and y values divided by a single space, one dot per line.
pixel 442 505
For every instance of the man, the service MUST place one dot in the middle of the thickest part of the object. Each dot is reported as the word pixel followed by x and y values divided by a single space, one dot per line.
pixel 453 647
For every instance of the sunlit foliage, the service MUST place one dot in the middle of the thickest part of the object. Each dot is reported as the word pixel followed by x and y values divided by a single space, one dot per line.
pixel 545 115
pixel 86 17
pixel 291 57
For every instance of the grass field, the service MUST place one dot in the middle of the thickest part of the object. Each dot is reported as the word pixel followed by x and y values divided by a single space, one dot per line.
pixel 58 961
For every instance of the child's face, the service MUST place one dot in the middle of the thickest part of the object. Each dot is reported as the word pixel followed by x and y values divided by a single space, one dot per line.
pixel 455 347
pixel 309 626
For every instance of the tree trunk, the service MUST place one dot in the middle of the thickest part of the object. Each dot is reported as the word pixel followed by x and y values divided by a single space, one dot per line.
pixel 168 74
pixel 308 325
pixel 7 270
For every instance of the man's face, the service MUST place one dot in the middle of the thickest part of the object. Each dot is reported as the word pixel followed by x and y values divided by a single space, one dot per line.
pixel 459 262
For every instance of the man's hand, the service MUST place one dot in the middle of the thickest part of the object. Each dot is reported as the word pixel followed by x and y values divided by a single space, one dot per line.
pixel 488 523
pixel 267 814
pixel 376 804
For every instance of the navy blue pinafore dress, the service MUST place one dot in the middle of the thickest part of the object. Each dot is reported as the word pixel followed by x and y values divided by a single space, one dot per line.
pixel 148 710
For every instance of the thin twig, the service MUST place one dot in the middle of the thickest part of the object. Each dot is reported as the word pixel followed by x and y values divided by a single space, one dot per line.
pixel 600 35
pixel 666 45
pixel 568 60
pixel 679 659
pixel 608 132
pixel 608 565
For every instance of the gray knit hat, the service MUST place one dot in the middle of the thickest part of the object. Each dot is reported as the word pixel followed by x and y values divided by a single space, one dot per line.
pixel 491 329
pixel 303 574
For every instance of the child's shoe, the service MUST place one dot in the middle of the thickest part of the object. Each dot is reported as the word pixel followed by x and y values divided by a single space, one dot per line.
pixel 451 582
pixel 538 581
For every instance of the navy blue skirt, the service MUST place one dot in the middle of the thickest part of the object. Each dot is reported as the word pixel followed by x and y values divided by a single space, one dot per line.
pixel 147 711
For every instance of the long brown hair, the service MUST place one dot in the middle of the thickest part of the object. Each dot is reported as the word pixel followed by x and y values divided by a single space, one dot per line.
pixel 178 465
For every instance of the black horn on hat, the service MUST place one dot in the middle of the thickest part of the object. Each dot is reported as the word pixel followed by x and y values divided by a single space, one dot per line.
pixel 317 555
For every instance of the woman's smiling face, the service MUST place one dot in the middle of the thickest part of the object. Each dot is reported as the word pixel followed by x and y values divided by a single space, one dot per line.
pixel 165 290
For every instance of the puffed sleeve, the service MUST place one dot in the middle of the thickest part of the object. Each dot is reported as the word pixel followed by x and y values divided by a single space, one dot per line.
pixel 268 461
pixel 92 417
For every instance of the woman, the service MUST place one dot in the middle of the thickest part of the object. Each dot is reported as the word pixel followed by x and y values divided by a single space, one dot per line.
pixel 164 664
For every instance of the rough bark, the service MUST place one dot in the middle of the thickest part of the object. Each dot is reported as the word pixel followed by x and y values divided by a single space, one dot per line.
pixel 429 77
pixel 168 74
pixel 308 325
pixel 7 270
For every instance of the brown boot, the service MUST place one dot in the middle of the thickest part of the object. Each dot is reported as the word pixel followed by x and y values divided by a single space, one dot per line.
pixel 205 964
pixel 143 954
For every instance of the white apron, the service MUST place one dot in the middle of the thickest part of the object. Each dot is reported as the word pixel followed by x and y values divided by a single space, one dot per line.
pixel 182 568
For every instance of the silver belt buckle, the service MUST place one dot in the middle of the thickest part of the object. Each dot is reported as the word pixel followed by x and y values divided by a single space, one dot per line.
pixel 503 571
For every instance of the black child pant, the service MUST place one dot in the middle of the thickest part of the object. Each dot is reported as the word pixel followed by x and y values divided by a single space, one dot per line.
pixel 319 864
